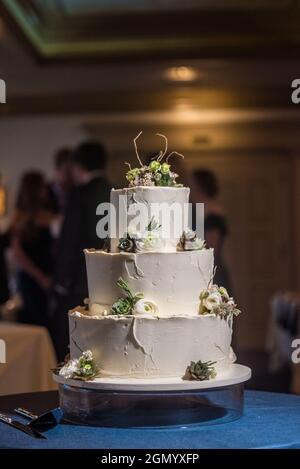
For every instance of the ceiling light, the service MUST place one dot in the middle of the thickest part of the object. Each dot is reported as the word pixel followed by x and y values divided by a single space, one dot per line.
pixel 181 73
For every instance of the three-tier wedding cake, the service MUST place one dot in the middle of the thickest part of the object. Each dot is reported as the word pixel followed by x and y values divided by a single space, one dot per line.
pixel 153 309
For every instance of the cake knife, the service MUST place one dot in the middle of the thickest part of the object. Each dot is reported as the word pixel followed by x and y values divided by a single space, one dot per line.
pixel 20 426
pixel 46 419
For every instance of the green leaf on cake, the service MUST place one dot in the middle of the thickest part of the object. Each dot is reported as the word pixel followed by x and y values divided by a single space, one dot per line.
pixel 153 225
pixel 125 287
pixel 124 306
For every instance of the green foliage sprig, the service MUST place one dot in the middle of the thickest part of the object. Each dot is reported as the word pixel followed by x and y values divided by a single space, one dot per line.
pixel 124 306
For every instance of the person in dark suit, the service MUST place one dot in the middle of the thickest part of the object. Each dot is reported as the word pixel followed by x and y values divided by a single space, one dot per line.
pixel 61 186
pixel 78 232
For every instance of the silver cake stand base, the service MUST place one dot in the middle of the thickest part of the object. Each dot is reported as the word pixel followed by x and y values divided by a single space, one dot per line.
pixel 120 402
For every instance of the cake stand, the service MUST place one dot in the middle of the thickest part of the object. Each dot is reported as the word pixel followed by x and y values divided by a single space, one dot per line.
pixel 154 402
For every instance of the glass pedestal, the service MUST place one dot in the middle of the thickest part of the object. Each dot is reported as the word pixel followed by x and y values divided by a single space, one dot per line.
pixel 166 402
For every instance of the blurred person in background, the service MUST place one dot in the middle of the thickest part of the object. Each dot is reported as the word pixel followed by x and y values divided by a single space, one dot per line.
pixel 61 186
pixel 60 189
pixel 32 243
pixel 215 223
pixel 78 232
pixel 4 290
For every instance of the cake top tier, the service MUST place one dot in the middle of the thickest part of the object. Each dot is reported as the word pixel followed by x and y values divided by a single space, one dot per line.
pixel 157 172
pixel 156 215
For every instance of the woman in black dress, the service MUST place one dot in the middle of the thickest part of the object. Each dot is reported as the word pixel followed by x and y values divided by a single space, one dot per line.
pixel 32 245
pixel 215 223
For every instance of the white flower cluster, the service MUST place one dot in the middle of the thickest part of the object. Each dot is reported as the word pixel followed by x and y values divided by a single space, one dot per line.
pixel 216 300
pixel 149 241
pixel 140 241
pixel 80 368
pixel 190 242
pixel 69 369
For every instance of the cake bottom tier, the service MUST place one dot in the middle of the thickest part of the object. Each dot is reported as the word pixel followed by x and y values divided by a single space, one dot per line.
pixel 144 347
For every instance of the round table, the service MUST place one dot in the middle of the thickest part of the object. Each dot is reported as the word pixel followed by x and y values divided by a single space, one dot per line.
pixel 270 420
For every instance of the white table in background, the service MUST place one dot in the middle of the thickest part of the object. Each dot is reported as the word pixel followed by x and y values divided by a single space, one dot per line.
pixel 29 359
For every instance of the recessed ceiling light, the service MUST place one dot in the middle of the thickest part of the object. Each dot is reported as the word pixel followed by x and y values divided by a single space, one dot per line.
pixel 181 73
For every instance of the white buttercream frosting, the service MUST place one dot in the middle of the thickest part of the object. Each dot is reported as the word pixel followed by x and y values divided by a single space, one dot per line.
pixel 151 346
pixel 172 280
pixel 165 331
pixel 163 198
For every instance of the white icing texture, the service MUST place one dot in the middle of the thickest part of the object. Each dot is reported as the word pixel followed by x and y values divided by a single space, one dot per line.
pixel 151 347
pixel 166 331
pixel 172 280
pixel 164 198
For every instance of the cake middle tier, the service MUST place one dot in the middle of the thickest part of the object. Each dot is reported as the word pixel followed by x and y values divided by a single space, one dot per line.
pixel 173 280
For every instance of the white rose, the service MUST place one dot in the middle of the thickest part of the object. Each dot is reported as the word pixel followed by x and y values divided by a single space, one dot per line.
pixel 195 245
pixel 213 299
pixel 189 235
pixel 145 307
pixel 150 241
pixel 68 370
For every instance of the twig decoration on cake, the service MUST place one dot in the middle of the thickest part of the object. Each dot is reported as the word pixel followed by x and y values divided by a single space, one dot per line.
pixel 162 153
pixel 136 148
pixel 157 172
pixel 174 153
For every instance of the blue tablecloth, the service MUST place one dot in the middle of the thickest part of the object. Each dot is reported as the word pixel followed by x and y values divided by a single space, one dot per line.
pixel 270 421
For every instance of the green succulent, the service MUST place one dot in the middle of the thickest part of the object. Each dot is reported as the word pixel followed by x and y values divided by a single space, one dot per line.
pixel 127 244
pixel 200 371
pixel 124 306
pixel 87 367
